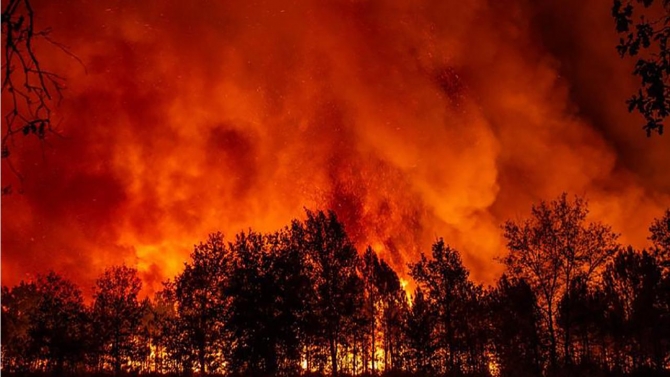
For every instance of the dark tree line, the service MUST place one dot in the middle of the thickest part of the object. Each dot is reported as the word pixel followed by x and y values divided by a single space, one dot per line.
pixel 304 301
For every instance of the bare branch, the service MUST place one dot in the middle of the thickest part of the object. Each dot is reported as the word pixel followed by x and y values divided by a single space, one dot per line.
pixel 34 90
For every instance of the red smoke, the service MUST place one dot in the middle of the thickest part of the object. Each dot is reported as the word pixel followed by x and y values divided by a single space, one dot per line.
pixel 410 120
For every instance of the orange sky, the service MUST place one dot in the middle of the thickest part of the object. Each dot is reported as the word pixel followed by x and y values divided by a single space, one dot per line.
pixel 412 120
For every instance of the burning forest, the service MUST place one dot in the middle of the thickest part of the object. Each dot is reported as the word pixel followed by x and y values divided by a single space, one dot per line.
pixel 454 188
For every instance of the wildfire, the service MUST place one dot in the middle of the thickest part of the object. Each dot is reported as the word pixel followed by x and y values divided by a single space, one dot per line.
pixel 409 120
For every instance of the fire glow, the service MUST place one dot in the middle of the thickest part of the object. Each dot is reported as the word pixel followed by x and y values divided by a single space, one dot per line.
pixel 410 121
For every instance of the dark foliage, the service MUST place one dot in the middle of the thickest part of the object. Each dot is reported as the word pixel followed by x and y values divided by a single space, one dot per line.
pixel 116 315
pixel 644 26
pixel 302 301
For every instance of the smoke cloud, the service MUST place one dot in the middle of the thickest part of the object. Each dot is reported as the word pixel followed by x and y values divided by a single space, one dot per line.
pixel 411 120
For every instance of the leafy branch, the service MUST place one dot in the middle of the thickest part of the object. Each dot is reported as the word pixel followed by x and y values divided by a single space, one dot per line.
pixel 648 39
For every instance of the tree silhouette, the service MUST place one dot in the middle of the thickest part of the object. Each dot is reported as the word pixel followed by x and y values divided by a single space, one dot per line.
pixel 201 304
pixel 370 268
pixel 587 312
pixel 333 262
pixel 393 303
pixel 476 334
pixel 419 334
pixel 384 305
pixel 445 280
pixel 515 320
pixel 154 315
pixel 171 338
pixel 18 306
pixel 117 315
pixel 294 299
pixel 251 310
pixel 301 301
pixel 635 279
pixel 660 231
pixel 552 250
pixel 660 236
pixel 57 331
pixel 271 297
pixel 647 38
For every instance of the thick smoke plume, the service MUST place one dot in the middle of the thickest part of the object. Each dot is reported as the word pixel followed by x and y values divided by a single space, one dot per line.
pixel 410 119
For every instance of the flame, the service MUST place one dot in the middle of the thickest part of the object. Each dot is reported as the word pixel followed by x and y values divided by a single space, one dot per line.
pixel 403 283
pixel 410 120
pixel 494 367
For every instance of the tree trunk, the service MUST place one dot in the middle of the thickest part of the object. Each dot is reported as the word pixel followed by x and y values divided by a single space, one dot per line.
pixel 566 335
pixel 386 347
pixel 116 353
pixel 364 348
pixel 374 345
pixel 552 337
pixel 355 355
pixel 333 356
pixel 201 357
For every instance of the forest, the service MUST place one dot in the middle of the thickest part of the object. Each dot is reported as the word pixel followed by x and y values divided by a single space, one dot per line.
pixel 303 300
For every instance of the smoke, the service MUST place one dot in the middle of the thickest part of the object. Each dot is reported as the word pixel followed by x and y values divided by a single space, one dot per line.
pixel 410 120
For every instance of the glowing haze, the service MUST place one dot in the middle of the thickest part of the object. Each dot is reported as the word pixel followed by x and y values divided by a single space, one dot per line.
pixel 410 119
